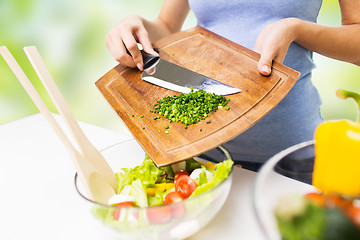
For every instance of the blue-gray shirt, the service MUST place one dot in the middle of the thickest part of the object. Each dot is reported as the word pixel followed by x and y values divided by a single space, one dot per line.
pixel 295 118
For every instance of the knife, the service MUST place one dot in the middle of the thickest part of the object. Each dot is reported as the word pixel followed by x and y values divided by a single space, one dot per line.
pixel 174 77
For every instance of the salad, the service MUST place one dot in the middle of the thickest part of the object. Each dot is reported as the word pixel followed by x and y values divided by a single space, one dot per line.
pixel 147 185
pixel 334 211
pixel 319 216
pixel 140 190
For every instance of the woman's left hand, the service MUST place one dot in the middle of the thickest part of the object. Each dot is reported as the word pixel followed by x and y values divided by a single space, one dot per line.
pixel 273 43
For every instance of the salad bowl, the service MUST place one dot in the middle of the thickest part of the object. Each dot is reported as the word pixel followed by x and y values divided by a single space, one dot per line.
pixel 171 221
pixel 301 211
pixel 292 164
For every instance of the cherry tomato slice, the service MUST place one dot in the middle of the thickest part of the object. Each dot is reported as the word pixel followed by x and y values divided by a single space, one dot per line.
pixel 316 198
pixel 117 211
pixel 159 215
pixel 176 210
pixel 172 197
pixel 185 186
pixel 354 213
pixel 335 200
pixel 179 174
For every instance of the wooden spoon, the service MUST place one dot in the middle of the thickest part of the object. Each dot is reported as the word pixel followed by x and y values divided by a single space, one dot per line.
pixel 94 179
pixel 86 148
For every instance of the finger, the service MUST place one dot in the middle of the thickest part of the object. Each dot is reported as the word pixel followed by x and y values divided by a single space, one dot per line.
pixel 280 57
pixel 265 63
pixel 258 44
pixel 117 49
pixel 131 45
pixel 111 46
pixel 144 39
pixel 150 71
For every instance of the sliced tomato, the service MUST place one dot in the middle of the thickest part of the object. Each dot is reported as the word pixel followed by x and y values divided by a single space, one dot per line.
pixel 117 211
pixel 172 197
pixel 179 174
pixel 316 198
pixel 159 215
pixel 125 204
pixel 354 214
pixel 185 186
pixel 335 200
pixel 116 214
pixel 178 210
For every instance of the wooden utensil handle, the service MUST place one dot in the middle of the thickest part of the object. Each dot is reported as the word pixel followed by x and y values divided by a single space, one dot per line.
pixel 87 149
pixel 34 95
pixel 94 182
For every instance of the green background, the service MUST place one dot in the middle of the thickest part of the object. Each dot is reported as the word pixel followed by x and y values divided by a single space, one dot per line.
pixel 70 36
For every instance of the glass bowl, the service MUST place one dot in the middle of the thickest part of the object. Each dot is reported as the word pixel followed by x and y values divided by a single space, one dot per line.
pixel 174 221
pixel 285 174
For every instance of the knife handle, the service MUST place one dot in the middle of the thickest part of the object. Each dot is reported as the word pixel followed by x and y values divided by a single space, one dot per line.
pixel 150 61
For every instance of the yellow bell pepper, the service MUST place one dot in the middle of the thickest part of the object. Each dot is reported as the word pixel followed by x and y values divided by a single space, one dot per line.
pixel 337 154
pixel 162 187
pixel 209 165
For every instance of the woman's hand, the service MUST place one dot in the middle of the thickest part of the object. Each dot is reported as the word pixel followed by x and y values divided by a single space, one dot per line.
pixel 273 43
pixel 135 29
pixel 125 36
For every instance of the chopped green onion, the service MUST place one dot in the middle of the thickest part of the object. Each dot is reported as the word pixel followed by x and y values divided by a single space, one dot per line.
pixel 189 108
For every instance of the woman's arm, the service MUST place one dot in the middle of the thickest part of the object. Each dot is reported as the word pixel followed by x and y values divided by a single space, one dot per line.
pixel 135 29
pixel 342 43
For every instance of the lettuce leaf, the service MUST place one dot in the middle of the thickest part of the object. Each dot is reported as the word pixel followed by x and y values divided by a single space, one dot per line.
pixel 220 174
pixel 156 200
pixel 315 222
pixel 137 190
pixel 191 165
pixel 202 178
pixel 147 173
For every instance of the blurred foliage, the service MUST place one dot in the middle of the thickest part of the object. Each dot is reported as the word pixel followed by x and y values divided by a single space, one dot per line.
pixel 70 37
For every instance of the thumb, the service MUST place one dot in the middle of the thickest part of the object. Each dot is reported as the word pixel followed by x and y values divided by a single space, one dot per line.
pixel 147 46
pixel 145 42
pixel 265 64
pixel 149 49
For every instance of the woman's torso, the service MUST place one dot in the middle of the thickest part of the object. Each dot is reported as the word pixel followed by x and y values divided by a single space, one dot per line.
pixel 296 117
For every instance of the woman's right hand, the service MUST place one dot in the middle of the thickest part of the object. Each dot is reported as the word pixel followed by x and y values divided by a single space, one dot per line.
pixel 124 37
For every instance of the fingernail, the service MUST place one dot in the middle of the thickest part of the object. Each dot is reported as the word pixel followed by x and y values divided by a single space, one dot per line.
pixel 139 66
pixel 265 69
pixel 150 71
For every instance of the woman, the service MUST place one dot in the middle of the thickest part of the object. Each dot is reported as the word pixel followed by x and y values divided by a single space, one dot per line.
pixel 282 31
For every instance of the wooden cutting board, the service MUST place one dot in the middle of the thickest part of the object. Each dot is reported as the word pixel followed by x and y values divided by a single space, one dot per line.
pixel 214 56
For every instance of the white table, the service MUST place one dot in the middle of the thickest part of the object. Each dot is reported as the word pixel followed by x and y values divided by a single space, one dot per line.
pixel 38 199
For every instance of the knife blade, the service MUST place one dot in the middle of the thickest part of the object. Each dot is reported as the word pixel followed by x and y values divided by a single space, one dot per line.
pixel 174 77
